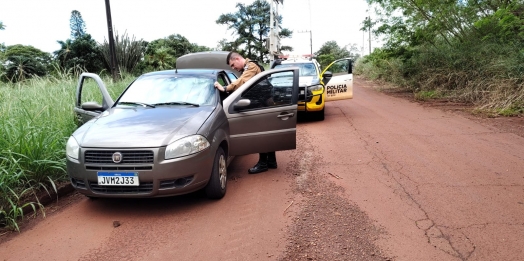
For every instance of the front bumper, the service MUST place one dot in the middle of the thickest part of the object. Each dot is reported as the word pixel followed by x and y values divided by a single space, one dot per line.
pixel 157 178
pixel 315 103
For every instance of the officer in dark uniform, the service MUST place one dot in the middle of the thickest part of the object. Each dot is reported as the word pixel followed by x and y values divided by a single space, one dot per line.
pixel 248 69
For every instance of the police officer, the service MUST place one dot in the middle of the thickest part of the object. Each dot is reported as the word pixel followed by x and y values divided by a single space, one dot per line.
pixel 248 69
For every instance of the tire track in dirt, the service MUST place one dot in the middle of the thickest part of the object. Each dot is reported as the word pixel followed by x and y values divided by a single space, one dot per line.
pixel 327 227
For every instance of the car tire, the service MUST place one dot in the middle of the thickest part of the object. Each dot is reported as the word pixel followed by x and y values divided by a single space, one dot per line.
pixel 319 115
pixel 217 185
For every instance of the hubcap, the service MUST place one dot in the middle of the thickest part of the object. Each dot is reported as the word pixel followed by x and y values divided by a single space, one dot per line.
pixel 222 171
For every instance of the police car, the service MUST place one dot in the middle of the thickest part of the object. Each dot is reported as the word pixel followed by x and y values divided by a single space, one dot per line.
pixel 335 82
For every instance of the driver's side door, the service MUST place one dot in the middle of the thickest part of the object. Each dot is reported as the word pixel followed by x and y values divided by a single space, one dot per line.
pixel 262 113
pixel 91 97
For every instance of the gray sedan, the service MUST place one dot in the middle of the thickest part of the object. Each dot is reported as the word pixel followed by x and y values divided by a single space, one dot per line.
pixel 171 132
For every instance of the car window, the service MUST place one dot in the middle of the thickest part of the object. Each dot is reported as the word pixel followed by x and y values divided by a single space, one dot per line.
pixel 171 88
pixel 222 80
pixel 271 91
pixel 305 69
pixel 232 76
pixel 340 67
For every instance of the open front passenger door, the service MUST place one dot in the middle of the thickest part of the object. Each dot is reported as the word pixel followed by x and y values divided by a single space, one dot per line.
pixel 85 108
pixel 262 113
pixel 338 79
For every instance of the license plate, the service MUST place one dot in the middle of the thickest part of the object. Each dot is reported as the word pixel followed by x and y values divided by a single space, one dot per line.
pixel 118 178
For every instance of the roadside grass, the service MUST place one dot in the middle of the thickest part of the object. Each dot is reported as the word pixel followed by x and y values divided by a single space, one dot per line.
pixel 36 119
pixel 428 95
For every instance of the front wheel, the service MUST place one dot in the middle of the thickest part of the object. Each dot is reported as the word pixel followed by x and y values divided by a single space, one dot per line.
pixel 216 187
pixel 319 115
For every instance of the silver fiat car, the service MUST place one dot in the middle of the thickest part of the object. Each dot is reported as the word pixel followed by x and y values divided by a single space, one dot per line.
pixel 171 132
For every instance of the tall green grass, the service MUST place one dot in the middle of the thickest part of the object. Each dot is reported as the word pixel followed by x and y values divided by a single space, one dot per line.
pixel 36 119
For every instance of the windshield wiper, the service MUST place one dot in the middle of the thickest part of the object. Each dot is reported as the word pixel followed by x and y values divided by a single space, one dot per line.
pixel 137 103
pixel 177 103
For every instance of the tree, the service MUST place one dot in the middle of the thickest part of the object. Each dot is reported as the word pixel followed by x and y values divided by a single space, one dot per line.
pixel 224 45
pixel 329 52
pixel 24 62
pixel 251 25
pixel 161 54
pixel 129 52
pixel 81 54
pixel 77 24
pixel 2 26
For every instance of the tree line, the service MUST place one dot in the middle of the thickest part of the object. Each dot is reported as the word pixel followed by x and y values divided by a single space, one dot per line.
pixel 80 53
pixel 469 50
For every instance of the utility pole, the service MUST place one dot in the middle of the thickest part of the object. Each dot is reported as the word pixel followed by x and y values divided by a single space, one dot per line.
pixel 112 54
pixel 274 29
pixel 369 31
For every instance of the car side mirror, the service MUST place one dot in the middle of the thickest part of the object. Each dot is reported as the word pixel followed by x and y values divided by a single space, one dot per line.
pixel 241 104
pixel 92 106
pixel 327 76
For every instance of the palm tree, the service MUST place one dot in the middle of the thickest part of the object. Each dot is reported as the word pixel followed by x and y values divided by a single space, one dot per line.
pixel 19 68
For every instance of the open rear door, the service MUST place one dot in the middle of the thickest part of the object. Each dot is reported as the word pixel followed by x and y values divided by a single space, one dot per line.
pixel 338 79
pixel 92 97
pixel 262 113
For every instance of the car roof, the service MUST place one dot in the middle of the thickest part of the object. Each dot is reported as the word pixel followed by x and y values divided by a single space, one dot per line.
pixel 211 59
pixel 297 61
pixel 204 72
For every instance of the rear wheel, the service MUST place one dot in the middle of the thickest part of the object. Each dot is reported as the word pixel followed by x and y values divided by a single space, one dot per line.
pixel 216 187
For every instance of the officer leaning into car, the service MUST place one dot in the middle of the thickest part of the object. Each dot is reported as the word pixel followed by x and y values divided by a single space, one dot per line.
pixel 248 69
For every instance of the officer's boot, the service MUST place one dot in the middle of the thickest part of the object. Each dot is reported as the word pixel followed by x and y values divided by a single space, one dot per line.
pixel 271 160
pixel 261 165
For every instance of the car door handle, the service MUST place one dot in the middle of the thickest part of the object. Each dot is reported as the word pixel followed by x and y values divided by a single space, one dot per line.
pixel 285 116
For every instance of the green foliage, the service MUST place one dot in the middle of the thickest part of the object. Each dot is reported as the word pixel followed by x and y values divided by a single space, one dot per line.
pixel 224 45
pixel 77 24
pixel 21 62
pixel 36 119
pixel 469 51
pixel 161 54
pixel 251 24
pixel 81 54
pixel 2 26
pixel 329 52
pixel 506 25
pixel 129 52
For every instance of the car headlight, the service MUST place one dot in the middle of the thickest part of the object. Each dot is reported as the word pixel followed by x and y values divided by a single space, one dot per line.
pixel 186 146
pixel 315 88
pixel 72 148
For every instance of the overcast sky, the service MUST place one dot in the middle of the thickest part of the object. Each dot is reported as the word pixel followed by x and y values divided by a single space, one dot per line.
pixel 41 23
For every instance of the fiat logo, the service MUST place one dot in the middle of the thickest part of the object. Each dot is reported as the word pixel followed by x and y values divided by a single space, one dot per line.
pixel 117 157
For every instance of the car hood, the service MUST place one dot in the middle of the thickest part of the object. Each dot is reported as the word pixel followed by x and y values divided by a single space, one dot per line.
pixel 308 80
pixel 121 127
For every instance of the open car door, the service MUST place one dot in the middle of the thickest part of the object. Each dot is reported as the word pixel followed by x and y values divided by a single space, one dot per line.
pixel 338 79
pixel 89 86
pixel 262 113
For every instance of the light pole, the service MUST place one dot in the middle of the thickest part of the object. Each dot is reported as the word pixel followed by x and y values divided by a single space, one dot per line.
pixel 112 54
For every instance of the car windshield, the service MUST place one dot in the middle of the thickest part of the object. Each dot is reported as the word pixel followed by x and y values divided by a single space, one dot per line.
pixel 170 90
pixel 305 69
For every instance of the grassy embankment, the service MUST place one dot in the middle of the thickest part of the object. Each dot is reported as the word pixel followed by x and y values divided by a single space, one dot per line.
pixel 489 76
pixel 36 119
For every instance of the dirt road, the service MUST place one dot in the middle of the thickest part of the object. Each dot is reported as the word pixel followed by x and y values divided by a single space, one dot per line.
pixel 382 178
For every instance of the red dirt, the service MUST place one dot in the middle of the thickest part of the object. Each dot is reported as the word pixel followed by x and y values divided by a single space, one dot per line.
pixel 382 178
